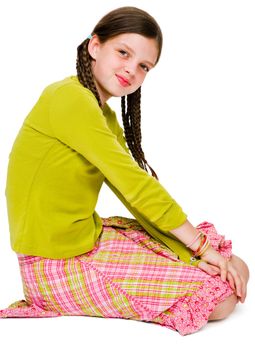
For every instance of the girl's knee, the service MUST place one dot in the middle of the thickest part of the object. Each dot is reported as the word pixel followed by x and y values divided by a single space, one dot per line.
pixel 224 309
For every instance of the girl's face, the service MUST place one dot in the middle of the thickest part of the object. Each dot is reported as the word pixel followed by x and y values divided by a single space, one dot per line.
pixel 120 64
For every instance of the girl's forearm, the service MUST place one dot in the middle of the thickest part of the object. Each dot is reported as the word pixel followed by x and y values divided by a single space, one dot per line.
pixel 186 234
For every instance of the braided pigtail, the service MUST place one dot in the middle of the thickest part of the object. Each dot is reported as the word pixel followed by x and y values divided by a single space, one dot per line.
pixel 131 117
pixel 84 70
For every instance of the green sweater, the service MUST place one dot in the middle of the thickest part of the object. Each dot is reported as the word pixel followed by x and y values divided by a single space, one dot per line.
pixel 64 151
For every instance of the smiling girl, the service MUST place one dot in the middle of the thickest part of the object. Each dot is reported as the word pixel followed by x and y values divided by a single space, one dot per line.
pixel 157 267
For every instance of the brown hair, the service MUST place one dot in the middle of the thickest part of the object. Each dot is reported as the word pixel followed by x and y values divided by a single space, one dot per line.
pixel 119 21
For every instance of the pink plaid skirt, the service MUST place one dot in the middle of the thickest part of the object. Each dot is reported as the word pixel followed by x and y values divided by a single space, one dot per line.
pixel 128 274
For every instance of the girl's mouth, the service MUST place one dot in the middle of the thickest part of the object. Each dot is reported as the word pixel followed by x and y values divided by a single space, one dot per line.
pixel 123 81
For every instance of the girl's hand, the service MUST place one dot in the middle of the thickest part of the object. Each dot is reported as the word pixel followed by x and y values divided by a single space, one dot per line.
pixel 214 263
pixel 234 270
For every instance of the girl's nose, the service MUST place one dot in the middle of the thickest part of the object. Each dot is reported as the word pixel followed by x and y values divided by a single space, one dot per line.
pixel 130 69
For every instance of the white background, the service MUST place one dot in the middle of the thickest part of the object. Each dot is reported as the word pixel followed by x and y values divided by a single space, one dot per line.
pixel 198 135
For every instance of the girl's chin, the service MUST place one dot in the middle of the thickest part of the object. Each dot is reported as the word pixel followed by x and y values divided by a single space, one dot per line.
pixel 119 92
pixel 124 92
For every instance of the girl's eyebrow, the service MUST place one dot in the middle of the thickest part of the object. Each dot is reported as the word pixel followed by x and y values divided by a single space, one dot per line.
pixel 131 50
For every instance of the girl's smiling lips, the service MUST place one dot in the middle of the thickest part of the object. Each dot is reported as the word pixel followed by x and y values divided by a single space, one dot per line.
pixel 123 81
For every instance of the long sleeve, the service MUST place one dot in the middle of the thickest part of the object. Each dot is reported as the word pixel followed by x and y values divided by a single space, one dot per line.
pixel 78 122
pixel 167 239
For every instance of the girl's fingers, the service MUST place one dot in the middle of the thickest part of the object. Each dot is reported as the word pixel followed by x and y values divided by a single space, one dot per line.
pixel 239 285
pixel 229 272
pixel 231 281
pixel 215 269
pixel 213 263
pixel 223 265
pixel 212 260
pixel 210 269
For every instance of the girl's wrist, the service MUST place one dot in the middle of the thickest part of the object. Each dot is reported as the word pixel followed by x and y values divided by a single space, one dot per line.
pixel 195 242
pixel 193 238
pixel 187 234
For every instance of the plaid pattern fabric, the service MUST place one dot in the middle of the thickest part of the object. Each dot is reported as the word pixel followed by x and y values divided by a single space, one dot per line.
pixel 127 275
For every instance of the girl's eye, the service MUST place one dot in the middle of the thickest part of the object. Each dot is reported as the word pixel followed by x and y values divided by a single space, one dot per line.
pixel 123 53
pixel 145 68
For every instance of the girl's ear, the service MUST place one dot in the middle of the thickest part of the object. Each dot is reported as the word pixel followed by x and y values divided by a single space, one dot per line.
pixel 93 46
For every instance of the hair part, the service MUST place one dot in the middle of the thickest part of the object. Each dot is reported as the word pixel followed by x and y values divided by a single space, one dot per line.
pixel 119 21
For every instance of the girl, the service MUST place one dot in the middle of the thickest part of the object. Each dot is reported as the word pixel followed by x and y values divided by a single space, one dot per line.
pixel 154 268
